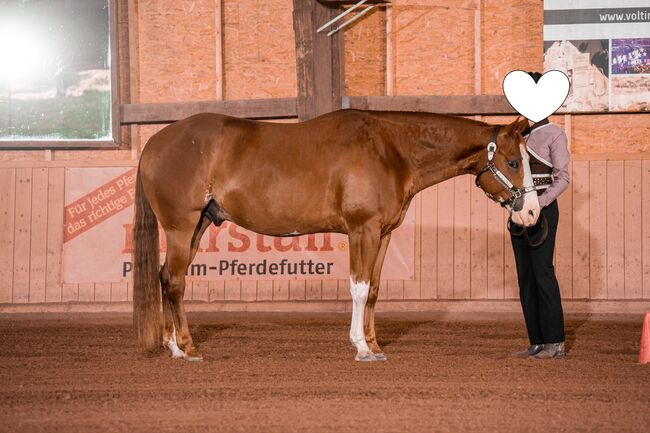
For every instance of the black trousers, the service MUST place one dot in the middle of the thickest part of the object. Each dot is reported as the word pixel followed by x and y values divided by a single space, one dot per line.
pixel 539 290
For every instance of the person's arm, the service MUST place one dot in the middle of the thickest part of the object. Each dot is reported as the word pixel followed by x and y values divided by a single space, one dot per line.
pixel 559 154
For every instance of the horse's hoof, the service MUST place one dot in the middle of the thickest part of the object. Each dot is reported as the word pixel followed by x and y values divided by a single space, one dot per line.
pixel 380 357
pixel 365 357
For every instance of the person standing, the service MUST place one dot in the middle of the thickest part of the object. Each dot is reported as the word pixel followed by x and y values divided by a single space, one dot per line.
pixel 539 290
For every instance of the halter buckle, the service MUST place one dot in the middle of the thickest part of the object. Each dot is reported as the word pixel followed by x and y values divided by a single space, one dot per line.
pixel 491 149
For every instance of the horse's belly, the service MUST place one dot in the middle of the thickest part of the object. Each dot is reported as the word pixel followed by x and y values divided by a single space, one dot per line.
pixel 279 211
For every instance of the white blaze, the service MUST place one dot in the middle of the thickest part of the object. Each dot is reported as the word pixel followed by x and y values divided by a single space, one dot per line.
pixel 359 292
pixel 530 212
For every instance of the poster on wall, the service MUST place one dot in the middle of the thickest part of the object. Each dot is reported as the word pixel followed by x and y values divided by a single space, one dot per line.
pixel 603 46
pixel 97 242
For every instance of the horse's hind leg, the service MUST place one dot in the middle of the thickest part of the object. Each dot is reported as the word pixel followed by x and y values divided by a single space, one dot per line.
pixel 182 244
pixel 373 294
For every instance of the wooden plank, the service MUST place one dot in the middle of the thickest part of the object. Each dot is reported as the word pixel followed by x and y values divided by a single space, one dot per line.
pixel 200 289
pixel 645 226
pixel 598 229
pixel 615 230
pixel 86 292
pixel 55 205
pixel 7 221
pixel 70 292
pixel 280 290
pixel 412 287
pixel 496 234
pixel 81 162
pixel 218 48
pixel 478 244
pixel 564 244
pixel 169 112
pixel 457 104
pixel 248 290
pixel 314 290
pixel 338 3
pixel 216 290
pixel 232 290
pixel 462 248
pixel 330 290
pixel 102 292
pixel 390 53
pixel 38 235
pixel 394 289
pixel 22 234
pixel 344 290
pixel 580 227
pixel 445 256
pixel 633 230
pixel 464 105
pixel 118 292
pixel 71 144
pixel 265 290
pixel 297 290
pixel 429 243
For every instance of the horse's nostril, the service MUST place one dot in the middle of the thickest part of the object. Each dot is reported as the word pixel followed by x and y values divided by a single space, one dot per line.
pixel 531 212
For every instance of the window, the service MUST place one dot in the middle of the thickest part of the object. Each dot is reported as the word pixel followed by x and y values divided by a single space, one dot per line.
pixel 58 73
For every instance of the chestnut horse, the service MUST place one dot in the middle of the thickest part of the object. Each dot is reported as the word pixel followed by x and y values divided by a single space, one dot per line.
pixel 349 171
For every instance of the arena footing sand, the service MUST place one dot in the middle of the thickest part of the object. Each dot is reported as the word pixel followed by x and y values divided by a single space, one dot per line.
pixel 295 372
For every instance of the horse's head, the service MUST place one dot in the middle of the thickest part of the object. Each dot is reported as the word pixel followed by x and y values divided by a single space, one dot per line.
pixel 506 176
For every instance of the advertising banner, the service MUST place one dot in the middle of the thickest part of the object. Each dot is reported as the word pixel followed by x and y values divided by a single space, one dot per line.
pixel 98 240
pixel 603 46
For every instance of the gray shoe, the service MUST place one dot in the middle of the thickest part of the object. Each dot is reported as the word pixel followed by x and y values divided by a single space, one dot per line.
pixel 531 351
pixel 552 350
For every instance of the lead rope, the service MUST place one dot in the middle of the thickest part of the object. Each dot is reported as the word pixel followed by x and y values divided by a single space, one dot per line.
pixel 524 231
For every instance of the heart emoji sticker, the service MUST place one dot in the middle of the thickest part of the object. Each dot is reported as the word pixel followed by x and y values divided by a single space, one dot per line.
pixel 536 100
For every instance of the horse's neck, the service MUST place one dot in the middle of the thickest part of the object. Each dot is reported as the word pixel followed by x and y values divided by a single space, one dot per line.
pixel 445 148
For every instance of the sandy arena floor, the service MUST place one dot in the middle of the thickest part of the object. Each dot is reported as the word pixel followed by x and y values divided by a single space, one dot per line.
pixel 295 372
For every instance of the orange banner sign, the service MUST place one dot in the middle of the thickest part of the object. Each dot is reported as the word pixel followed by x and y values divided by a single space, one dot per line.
pixel 98 240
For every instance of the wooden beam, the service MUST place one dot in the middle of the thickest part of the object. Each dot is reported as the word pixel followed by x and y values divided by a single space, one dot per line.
pixel 319 60
pixel 464 104
pixel 171 112
pixel 339 3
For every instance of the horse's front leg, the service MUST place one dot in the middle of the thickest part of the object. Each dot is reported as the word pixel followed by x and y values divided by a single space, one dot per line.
pixel 364 248
pixel 369 316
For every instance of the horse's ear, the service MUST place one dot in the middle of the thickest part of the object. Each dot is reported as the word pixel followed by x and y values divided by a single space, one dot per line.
pixel 518 126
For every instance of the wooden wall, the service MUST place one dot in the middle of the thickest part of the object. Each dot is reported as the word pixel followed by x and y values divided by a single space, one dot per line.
pixel 169 52
pixel 462 248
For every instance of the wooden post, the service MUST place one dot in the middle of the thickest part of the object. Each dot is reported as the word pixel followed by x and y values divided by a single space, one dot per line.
pixel 319 60
pixel 218 24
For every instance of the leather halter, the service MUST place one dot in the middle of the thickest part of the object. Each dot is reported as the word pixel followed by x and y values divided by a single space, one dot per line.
pixel 515 193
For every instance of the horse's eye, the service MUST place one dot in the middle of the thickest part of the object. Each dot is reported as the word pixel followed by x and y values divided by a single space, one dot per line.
pixel 513 164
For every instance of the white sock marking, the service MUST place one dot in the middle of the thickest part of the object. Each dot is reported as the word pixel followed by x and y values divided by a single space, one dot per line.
pixel 359 292
pixel 176 351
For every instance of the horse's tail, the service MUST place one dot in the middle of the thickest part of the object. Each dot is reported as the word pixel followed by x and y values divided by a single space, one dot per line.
pixel 146 264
